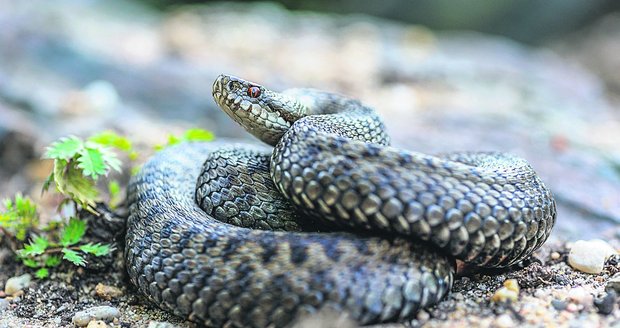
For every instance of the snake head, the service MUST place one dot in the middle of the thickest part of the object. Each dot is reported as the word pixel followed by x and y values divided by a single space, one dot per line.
pixel 264 113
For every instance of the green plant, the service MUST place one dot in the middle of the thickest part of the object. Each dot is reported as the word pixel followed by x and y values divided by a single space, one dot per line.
pixel 19 216
pixel 47 251
pixel 78 166
pixel 190 135
pixel 47 246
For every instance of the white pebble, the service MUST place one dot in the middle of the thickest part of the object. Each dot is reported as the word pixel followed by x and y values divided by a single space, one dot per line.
pixel 590 256
pixel 82 318
pixel 540 293
pixel 572 307
pixel 15 284
pixel 580 296
pixel 160 324
pixel 97 324
pixel 504 321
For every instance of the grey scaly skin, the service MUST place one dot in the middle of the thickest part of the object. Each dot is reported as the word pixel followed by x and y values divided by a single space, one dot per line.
pixel 194 246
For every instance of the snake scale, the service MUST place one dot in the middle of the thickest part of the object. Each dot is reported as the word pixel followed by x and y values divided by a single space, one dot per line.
pixel 237 235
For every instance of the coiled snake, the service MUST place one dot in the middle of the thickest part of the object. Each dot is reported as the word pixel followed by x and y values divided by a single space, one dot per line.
pixel 203 240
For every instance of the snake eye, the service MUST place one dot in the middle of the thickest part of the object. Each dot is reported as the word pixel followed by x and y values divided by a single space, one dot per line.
pixel 254 92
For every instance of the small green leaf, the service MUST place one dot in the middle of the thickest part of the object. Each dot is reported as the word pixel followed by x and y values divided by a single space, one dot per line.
pixel 111 139
pixel 135 170
pixel 198 135
pixel 114 188
pixel 110 159
pixel 91 162
pixel 70 182
pixel 22 206
pixel 172 140
pixel 73 257
pixel 96 249
pixel 83 191
pixel 47 183
pixel 29 262
pixel 20 217
pixel 35 247
pixel 133 155
pixel 58 174
pixel 73 232
pixel 65 148
pixel 52 261
pixel 42 273
pixel 190 135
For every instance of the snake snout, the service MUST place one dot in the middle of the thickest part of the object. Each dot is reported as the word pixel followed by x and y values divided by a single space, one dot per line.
pixel 216 89
pixel 224 90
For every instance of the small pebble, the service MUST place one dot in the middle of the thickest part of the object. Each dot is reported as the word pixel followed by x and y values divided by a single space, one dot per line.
pixel 555 256
pixel 160 324
pixel 605 304
pixel 510 291
pixel 558 305
pixel 16 284
pixel 579 295
pixel 96 324
pixel 540 293
pixel 107 292
pixel 504 321
pixel 82 318
pixel 423 316
pixel 613 283
pixel 572 307
pixel 590 256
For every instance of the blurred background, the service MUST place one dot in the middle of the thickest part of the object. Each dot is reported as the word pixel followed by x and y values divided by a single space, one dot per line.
pixel 538 79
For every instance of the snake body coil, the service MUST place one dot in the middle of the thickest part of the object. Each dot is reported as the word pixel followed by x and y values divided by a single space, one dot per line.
pixel 236 241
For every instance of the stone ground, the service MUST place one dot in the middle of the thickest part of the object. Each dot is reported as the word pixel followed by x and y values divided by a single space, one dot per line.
pixel 81 67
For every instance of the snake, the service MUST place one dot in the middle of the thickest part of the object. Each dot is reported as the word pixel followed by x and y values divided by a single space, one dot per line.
pixel 323 215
